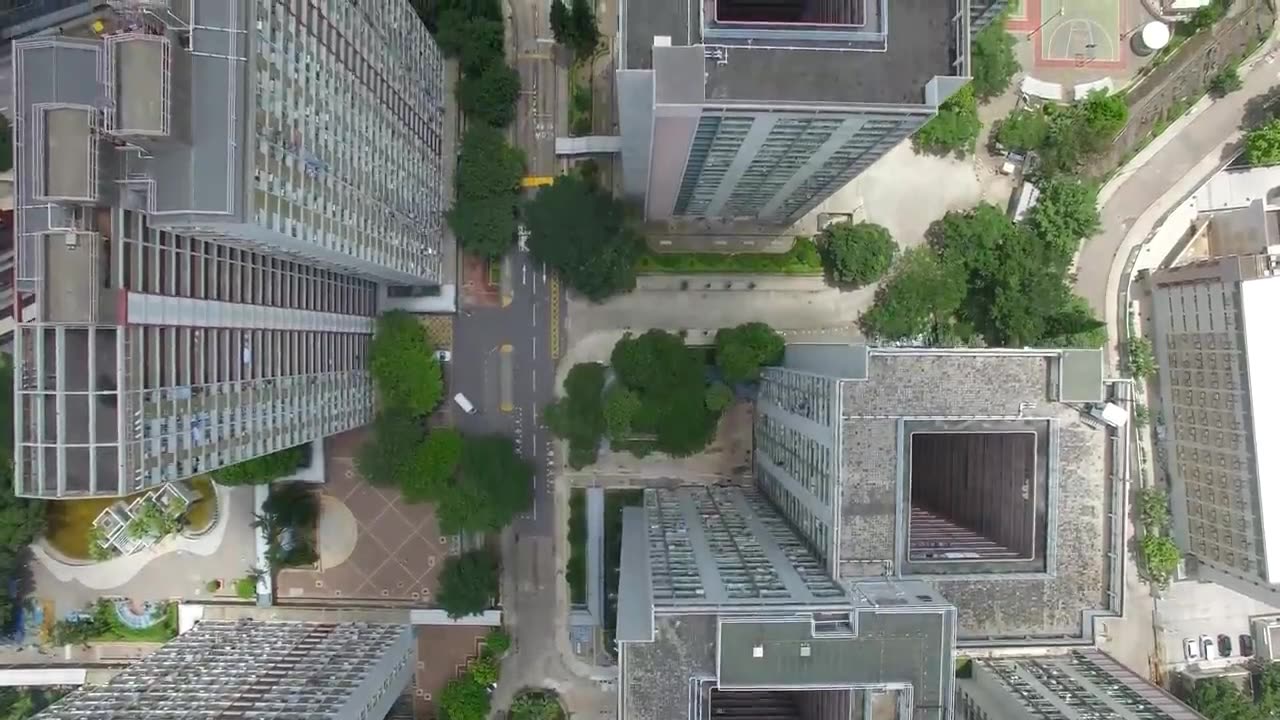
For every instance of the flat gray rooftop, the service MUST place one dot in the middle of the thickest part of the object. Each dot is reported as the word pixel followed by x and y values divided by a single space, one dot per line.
pixel 907 385
pixel 917 49
pixel 140 84
pixel 655 685
pixel 890 648
pixel 67 152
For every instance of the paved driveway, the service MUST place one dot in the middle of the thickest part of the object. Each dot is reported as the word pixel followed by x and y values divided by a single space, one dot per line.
pixel 398 550
pixel 1191 609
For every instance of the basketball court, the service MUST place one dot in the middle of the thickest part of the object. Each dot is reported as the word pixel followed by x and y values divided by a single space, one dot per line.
pixel 1072 33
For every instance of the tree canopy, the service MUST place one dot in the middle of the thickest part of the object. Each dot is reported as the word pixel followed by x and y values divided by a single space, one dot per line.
pixel 740 351
pixel 1262 144
pixel 857 253
pixel 580 231
pixel 1225 81
pixel 487 179
pixel 1065 136
pixel 491 486
pixel 992 60
pixel 489 95
pixel 954 130
pixel 669 380
pixel 536 705
pixel 434 463
pixel 574 26
pixel 262 469
pixel 468 583
pixel 579 416
pixel 1065 214
pixel 919 299
pixel 403 364
pixel 388 457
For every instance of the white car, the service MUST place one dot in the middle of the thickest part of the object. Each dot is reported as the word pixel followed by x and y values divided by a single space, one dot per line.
pixel 1208 647
pixel 1191 648
pixel 444 356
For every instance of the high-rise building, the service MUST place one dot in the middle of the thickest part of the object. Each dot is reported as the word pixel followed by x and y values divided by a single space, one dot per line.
pixel 258 669
pixel 1064 686
pixel 993 475
pixel 724 611
pixel 208 194
pixel 1214 346
pixel 732 109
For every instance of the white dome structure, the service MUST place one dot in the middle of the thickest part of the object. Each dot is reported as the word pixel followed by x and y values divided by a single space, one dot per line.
pixel 1153 37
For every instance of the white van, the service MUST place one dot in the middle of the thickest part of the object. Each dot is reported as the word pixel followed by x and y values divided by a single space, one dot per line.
pixel 464 403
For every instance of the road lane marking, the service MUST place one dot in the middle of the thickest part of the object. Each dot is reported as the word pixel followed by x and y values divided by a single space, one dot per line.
pixel 544 273
pixel 535 381
pixel 535 316
pixel 535 347
pixel 524 274
pixel 505 379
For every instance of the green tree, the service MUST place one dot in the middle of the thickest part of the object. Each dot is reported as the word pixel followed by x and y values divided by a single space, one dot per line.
pixel 1141 415
pixel 1205 16
pixel 404 368
pixel 1104 114
pixel 718 397
pixel 993 63
pixel 586 35
pixel 465 699
pixel 1153 510
pixel 740 351
pixel 620 406
pixel 1074 325
pixel 387 457
pixel 434 463
pixel 487 182
pixel 536 705
pixel 1160 557
pixel 1262 144
pixel 857 253
pixel 954 130
pixel 262 469
pixel 579 230
pixel 1141 358
pixel 920 298
pixel 151 521
pixel 670 381
pixel 492 485
pixel 561 22
pixel 497 642
pixel 1065 213
pixel 1220 699
pixel 1024 129
pixel 579 417
pixel 288 524
pixel 1225 81
pixel 486 227
pixel 489 96
pixel 468 583
pixel 484 669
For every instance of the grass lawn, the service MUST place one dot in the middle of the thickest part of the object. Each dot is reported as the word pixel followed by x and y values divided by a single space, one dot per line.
pixel 802 259
pixel 576 572
pixel 614 502
pixel 69 522
pixel 201 512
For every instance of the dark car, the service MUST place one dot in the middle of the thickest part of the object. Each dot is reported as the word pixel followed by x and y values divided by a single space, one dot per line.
pixel 1224 646
pixel 1246 646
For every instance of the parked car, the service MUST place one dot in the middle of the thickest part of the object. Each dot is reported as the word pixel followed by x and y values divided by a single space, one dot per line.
pixel 1224 645
pixel 470 409
pixel 1208 648
pixel 1246 646
pixel 1191 649
pixel 444 356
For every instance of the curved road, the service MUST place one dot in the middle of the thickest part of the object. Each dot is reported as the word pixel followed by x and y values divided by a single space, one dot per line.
pixel 1157 179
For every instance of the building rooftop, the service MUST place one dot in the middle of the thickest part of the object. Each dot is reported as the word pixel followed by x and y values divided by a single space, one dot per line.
pixel 997 388
pixel 891 67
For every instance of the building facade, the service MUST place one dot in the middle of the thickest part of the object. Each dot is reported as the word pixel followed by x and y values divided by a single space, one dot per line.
pixel 263 669
pixel 207 198
pixel 1078 684
pixel 1214 350
pixel 981 472
pixel 725 612
pixel 760 110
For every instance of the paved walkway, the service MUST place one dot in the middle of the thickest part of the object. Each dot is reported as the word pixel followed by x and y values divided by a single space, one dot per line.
pixel 176 568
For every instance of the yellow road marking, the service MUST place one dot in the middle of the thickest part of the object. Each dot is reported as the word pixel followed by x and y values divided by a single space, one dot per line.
pixel 555 317
pixel 530 181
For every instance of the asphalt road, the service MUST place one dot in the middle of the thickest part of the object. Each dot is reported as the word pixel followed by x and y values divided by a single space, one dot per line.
pixel 502 362
pixel 537 108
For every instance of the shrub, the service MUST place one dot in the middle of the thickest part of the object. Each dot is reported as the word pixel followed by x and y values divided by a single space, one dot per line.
pixel 1141 358
pixel 1225 81
pixel 954 130
pixel 857 253
pixel 497 641
pixel 247 587
pixel 262 469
